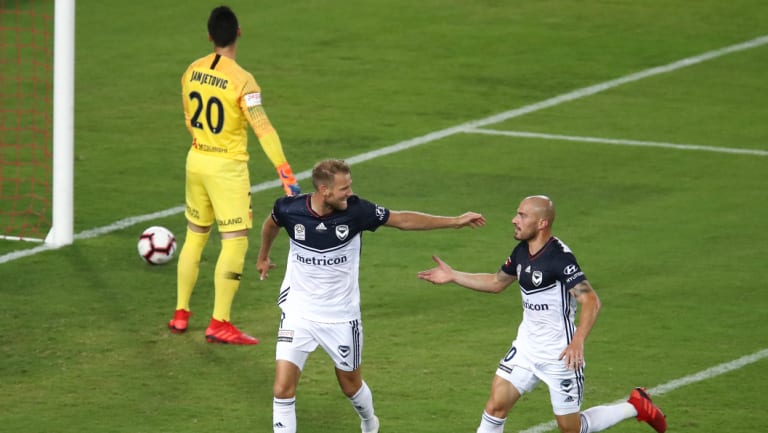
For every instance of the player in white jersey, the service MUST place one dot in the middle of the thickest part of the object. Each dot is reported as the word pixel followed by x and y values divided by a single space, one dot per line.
pixel 549 347
pixel 320 294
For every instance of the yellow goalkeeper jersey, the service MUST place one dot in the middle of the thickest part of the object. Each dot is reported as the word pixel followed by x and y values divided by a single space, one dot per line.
pixel 220 99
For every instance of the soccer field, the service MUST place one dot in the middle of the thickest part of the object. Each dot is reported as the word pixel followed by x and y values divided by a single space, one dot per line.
pixel 644 121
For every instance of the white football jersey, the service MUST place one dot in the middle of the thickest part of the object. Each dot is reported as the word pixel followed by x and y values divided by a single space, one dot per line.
pixel 549 309
pixel 321 278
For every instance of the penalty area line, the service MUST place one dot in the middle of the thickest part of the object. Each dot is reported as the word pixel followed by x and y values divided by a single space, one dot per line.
pixel 616 141
pixel 672 385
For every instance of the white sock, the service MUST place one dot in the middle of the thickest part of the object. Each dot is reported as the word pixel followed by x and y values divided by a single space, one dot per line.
pixel 491 424
pixel 284 415
pixel 362 401
pixel 600 418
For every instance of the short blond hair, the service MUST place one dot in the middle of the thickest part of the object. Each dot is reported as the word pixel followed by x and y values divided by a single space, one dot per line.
pixel 325 171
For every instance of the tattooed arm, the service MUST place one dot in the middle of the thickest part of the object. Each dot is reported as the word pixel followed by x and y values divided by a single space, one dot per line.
pixel 573 355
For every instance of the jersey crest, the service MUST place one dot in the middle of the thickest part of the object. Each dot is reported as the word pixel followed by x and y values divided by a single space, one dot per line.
pixel 342 231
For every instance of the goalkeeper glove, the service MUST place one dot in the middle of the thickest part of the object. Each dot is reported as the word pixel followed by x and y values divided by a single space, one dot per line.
pixel 290 185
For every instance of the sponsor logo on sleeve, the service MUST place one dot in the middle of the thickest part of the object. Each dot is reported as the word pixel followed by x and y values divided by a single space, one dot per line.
pixel 380 212
pixel 573 272
pixel 574 276
pixel 570 269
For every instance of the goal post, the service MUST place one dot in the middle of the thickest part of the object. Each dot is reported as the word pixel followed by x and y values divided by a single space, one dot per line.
pixel 62 218
pixel 37 41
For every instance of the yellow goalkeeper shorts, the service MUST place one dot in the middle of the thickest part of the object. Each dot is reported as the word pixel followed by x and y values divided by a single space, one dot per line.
pixel 218 190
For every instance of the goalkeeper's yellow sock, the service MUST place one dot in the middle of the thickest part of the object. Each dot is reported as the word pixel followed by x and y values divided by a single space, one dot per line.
pixel 229 268
pixel 188 267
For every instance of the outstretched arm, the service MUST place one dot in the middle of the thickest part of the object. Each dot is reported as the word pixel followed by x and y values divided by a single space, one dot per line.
pixel 408 220
pixel 573 355
pixel 482 282
pixel 269 231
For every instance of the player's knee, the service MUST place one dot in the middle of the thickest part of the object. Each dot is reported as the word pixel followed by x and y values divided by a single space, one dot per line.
pixel 569 424
pixel 497 409
pixel 349 389
pixel 282 390
pixel 198 229
pixel 235 234
pixel 350 382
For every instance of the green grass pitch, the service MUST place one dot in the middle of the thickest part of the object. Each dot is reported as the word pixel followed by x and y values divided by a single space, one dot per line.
pixel 673 239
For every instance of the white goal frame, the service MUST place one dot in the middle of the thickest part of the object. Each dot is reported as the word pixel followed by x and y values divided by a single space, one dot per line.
pixel 62 218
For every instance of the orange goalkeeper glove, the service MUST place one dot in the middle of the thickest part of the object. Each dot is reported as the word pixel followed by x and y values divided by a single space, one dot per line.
pixel 290 185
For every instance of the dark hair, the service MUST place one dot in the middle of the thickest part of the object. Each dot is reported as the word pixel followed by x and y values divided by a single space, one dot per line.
pixel 325 171
pixel 223 26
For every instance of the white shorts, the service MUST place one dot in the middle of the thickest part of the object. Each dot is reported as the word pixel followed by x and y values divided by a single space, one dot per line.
pixel 566 387
pixel 298 337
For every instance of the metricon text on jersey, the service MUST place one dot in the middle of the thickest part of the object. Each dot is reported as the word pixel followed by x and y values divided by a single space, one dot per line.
pixel 535 307
pixel 317 261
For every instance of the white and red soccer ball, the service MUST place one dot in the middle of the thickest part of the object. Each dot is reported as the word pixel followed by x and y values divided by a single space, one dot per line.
pixel 157 245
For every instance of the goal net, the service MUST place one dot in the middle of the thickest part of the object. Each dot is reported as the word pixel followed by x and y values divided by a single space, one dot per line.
pixel 27 130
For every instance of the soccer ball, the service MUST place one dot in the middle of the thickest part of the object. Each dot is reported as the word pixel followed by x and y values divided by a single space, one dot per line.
pixel 156 245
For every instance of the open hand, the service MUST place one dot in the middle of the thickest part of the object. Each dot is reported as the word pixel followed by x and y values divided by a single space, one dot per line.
pixel 439 275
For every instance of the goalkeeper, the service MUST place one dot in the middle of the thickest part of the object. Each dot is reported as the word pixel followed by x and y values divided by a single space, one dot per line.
pixel 220 100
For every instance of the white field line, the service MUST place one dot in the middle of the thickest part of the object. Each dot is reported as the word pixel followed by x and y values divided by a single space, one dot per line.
pixel 676 383
pixel 21 238
pixel 436 135
pixel 620 142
